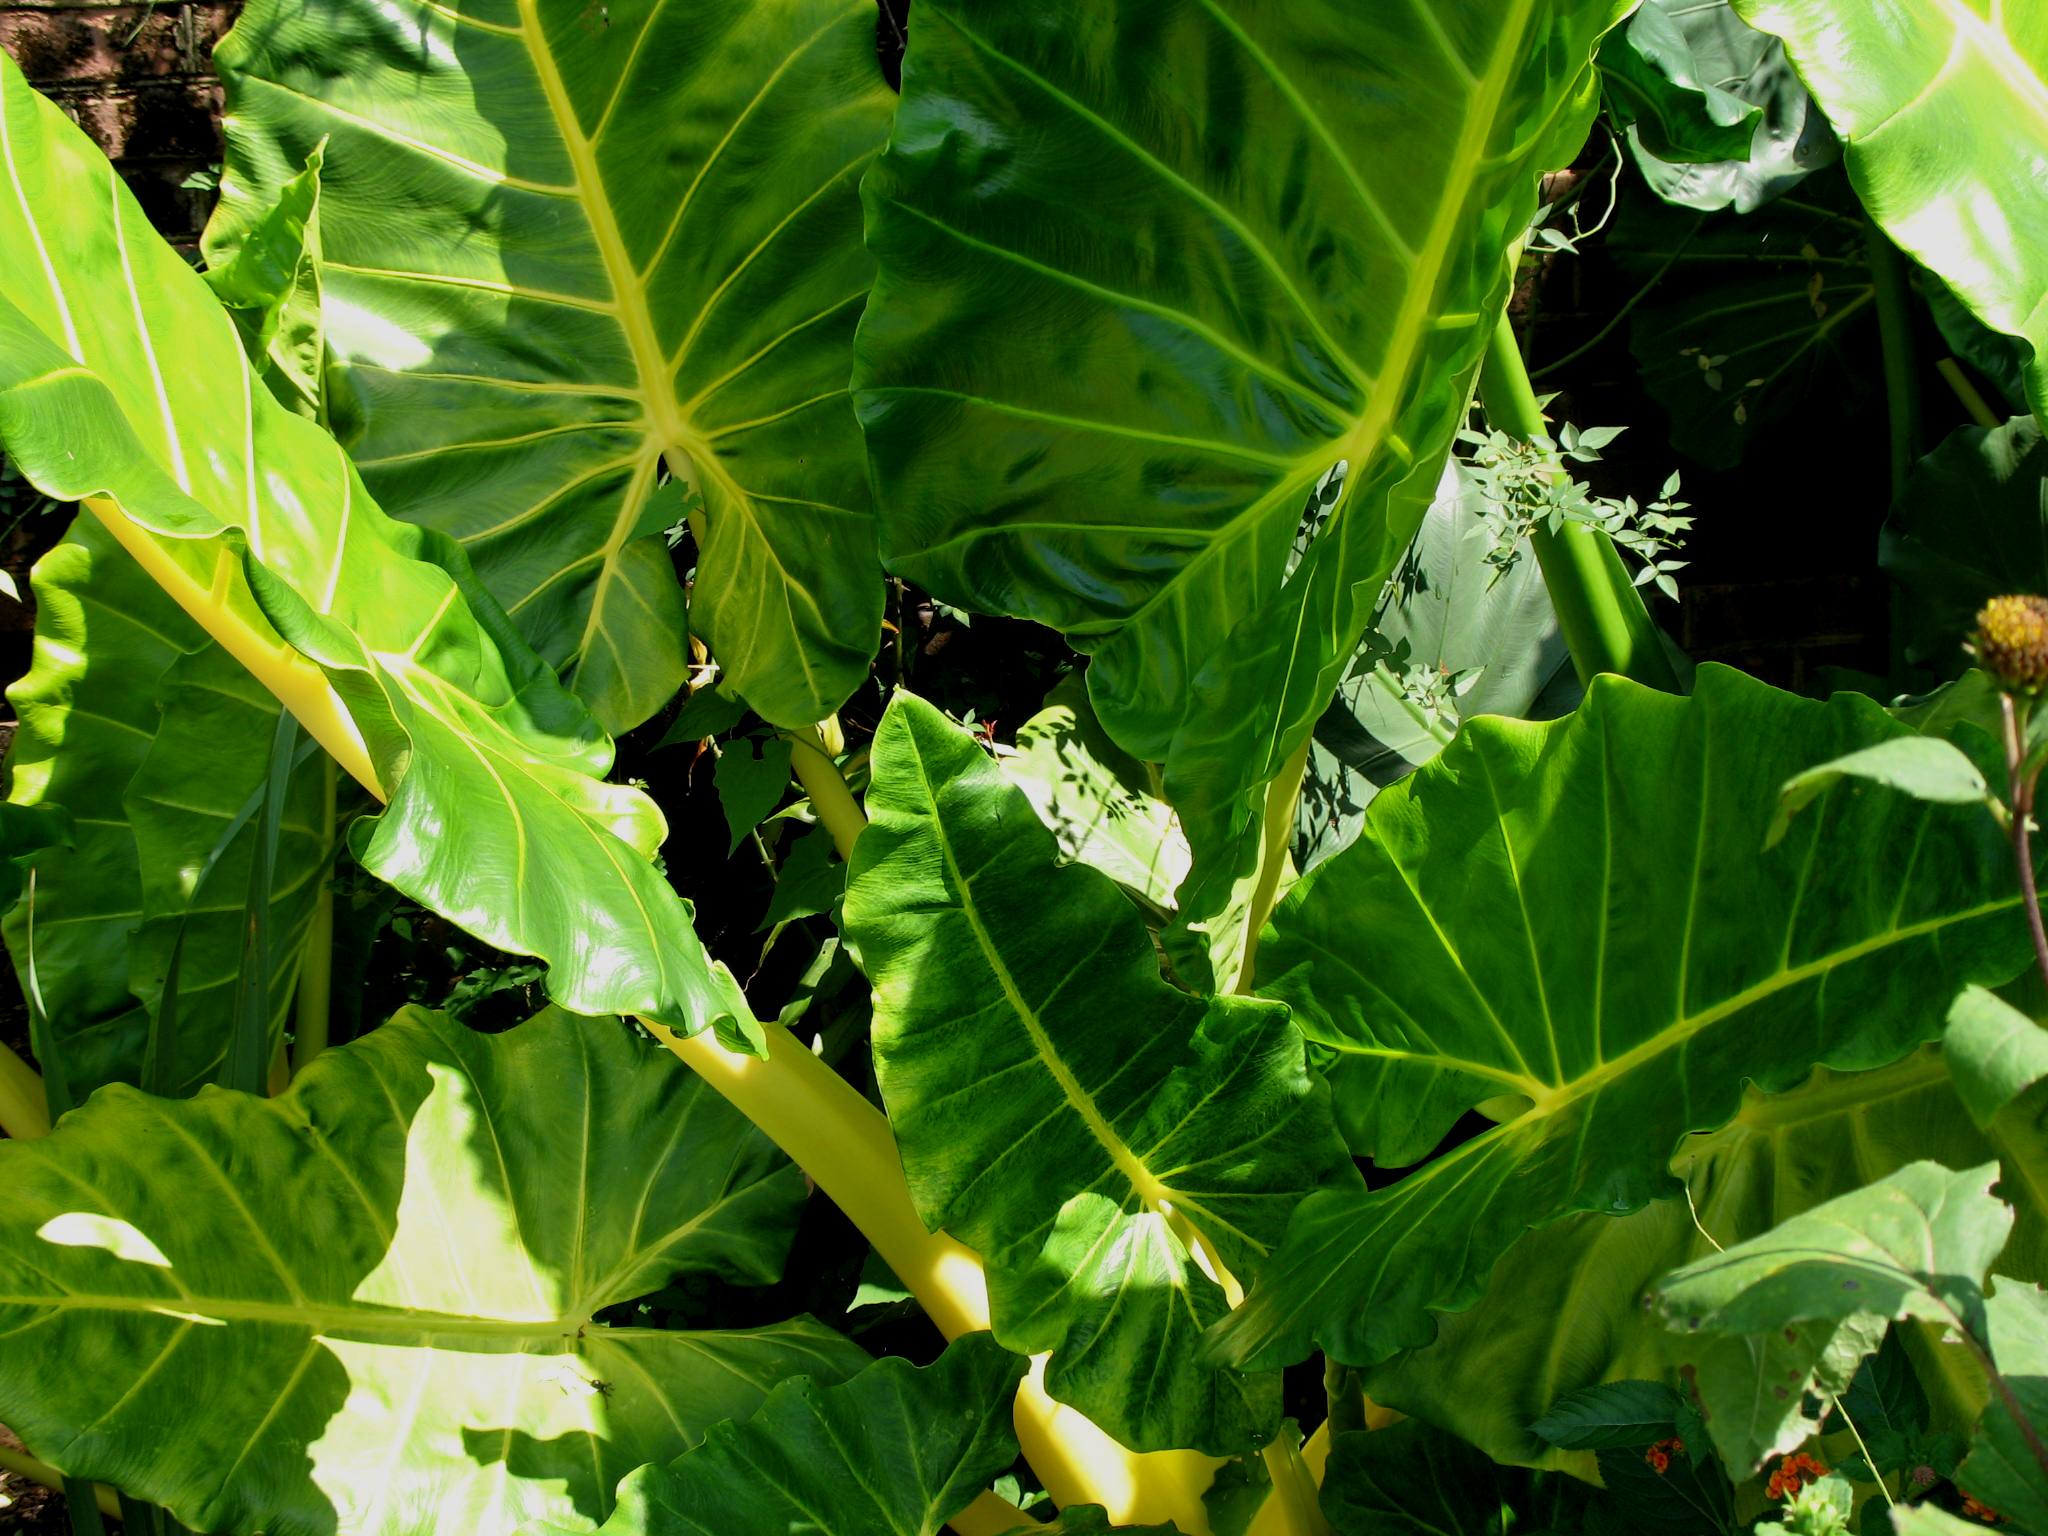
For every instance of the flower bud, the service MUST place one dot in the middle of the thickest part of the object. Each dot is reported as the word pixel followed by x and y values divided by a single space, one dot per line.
pixel 2012 641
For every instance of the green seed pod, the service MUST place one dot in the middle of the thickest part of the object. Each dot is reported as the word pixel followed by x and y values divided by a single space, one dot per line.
pixel 2012 641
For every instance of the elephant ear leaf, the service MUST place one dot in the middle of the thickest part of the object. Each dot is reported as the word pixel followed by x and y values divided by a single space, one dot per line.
pixel 1098 343
pixel 896 1450
pixel 635 253
pixel 1526 922
pixel 376 1293
pixel 123 383
pixel 1942 108
pixel 1110 1150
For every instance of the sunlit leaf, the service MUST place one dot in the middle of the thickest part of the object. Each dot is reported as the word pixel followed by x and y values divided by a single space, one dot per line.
pixel 629 245
pixel 371 1301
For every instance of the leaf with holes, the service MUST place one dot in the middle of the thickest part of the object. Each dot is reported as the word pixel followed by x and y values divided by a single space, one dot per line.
pixel 1107 1147
pixel 375 1295
pixel 631 248
pixel 1528 920
pixel 256 524
pixel 1149 274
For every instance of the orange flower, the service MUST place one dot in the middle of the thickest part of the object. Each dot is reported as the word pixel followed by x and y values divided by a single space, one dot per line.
pixel 1659 1455
pixel 1793 1474
pixel 1982 1512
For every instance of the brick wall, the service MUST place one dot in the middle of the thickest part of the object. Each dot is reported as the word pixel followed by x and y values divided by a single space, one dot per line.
pixel 139 79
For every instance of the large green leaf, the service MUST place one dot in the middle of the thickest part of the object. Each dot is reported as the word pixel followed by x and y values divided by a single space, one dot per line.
pixel 158 744
pixel 1452 637
pixel 1562 1310
pixel 1775 1325
pixel 368 1304
pixel 1581 919
pixel 1716 117
pixel 1410 1480
pixel 1104 1141
pixel 1150 272
pixel 256 522
pixel 896 1451
pixel 1973 523
pixel 628 245
pixel 1943 108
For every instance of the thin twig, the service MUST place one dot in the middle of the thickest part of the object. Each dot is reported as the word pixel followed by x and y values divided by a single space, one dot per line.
pixel 2022 789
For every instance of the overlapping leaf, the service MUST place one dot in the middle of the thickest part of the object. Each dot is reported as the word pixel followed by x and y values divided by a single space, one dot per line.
pixel 896 1451
pixel 1149 274
pixel 1943 108
pixel 1527 919
pixel 1562 1311
pixel 568 248
pixel 123 380
pixel 1452 637
pixel 1104 1141
pixel 1716 117
pixel 158 745
pixel 374 1295
pixel 1775 1324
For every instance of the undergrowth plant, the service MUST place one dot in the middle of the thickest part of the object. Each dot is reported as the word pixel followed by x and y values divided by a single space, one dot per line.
pixel 1388 1045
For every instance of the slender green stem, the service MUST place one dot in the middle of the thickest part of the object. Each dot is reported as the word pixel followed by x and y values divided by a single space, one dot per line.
pixel 1895 334
pixel 1959 383
pixel 1276 839
pixel 1600 610
pixel 2022 798
pixel 831 800
pixel 316 962
pixel 24 1107
pixel 1622 313
pixel 21 1464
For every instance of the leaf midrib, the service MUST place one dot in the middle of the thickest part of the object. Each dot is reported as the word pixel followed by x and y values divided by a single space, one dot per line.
pixel 323 1318
pixel 1078 1098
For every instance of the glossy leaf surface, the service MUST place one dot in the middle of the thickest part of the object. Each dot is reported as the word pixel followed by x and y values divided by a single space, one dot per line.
pixel 257 524
pixel 1562 1311
pixel 628 244
pixel 374 1295
pixel 1716 116
pixel 1149 274
pixel 1942 106
pixel 1076 1120
pixel 1774 1321
pixel 1527 918
pixel 1452 638
pixel 894 1451
pixel 157 744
